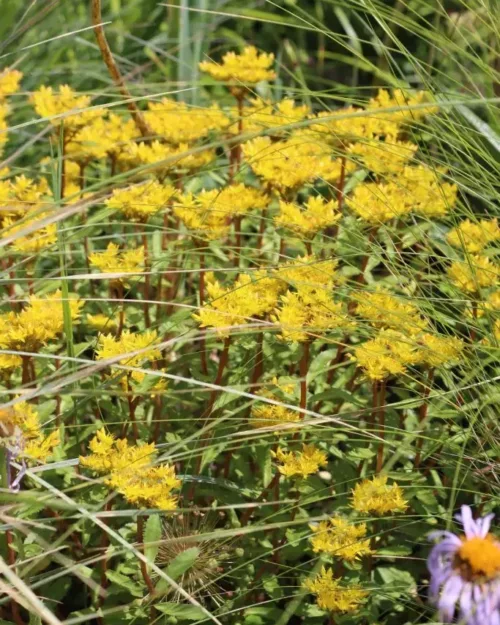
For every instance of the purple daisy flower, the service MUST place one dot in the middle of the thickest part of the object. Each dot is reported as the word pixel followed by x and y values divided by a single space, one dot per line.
pixel 465 572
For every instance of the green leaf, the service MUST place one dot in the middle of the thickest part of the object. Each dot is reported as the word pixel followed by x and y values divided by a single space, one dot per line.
pixel 152 536
pixel 122 581
pixel 179 565
pixel 181 611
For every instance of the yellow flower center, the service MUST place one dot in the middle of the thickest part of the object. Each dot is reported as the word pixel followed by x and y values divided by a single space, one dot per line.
pixel 479 557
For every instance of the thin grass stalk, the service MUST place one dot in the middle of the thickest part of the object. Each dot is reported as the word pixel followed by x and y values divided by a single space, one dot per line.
pixel 147 281
pixel 422 413
pixel 381 428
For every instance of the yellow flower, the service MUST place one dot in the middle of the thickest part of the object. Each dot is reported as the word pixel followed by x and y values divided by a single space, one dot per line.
pixel 383 310
pixel 293 162
pixel 340 128
pixel 251 296
pixel 308 271
pixel 20 427
pixel 340 539
pixel 48 103
pixel 261 114
pixel 141 201
pixel 474 237
pixel 423 192
pixel 103 136
pixel 271 415
pixel 389 353
pixel 473 274
pixel 110 347
pixel 383 157
pixel 376 497
pixel 113 261
pixel 178 123
pixel 9 82
pixel 317 214
pixel 307 313
pixel 248 67
pixel 436 350
pixel 21 195
pixel 9 361
pixel 40 238
pixel 330 595
pixel 378 203
pixel 304 463
pixel 41 321
pixel 176 157
pixel 102 323
pixel 406 101
pixel 110 455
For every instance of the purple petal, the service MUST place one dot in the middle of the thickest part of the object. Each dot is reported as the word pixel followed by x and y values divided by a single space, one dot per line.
pixel 484 524
pixel 470 527
pixel 466 601
pixel 441 534
pixel 449 596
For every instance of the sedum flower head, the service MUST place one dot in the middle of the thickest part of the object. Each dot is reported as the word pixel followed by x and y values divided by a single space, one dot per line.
pixel 177 122
pixel 199 214
pixel 478 272
pixel 389 353
pixel 103 136
pixel 307 313
pixel 116 262
pixel 49 103
pixel 111 347
pixel 21 430
pixel 141 201
pixel 249 67
pixel 424 192
pixel 375 496
pixel 383 157
pixel 291 163
pixel 384 310
pixel 308 220
pixel 169 157
pixel 39 322
pixel 340 539
pixel 300 463
pixel 330 595
pixel 378 203
pixel 8 362
pixel 341 128
pixel 272 415
pixel 102 323
pixel 262 115
pixel 21 195
pixel 10 80
pixel 309 271
pixel 474 237
pixel 251 296
pixel 39 238
pixel 436 351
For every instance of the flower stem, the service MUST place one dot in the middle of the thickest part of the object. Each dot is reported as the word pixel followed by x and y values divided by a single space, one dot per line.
pixel 201 287
pixel 422 414
pixel 144 568
pixel 147 281
pixel 303 369
pixel 381 422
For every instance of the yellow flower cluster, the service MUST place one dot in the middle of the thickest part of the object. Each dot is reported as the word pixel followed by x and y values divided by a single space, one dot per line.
pixel 307 221
pixel 384 310
pixel 249 67
pixel 9 84
pixel 474 237
pixel 436 351
pixel 65 106
pixel 102 323
pixel 39 322
pixel 389 353
pixel 375 496
pixel 330 595
pixel 307 313
pixel 250 297
pixel 383 157
pixel 103 136
pixel 340 539
pixel 292 162
pixel 141 201
pixel 177 123
pixel 129 471
pixel 21 195
pixel 264 115
pixel 21 431
pixel 116 262
pixel 309 272
pixel 475 273
pixel 300 463
pixel 111 348
pixel 272 415
pixel 168 157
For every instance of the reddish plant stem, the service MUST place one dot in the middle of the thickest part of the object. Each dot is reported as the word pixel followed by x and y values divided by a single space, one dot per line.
pixel 132 405
pixel 303 369
pixel 156 417
pixel 25 375
pixel 104 563
pixel 237 240
pixel 340 190
pixel 262 230
pixel 201 287
pixel 11 560
pixel 472 334
pixel 258 369
pixel 144 568
pixel 308 245
pixel 121 318
pixel 381 423
pixel 422 413
pixel 271 486
pixel 147 281
pixel 223 360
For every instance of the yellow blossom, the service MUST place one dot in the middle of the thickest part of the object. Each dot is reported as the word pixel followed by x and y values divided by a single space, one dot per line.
pixel 474 237
pixel 177 157
pixel 179 123
pixel 102 323
pixel 389 353
pixel 300 464
pixel 478 272
pixel 111 347
pixel 376 497
pixel 423 191
pixel 103 136
pixel 330 595
pixel 21 195
pixel 39 322
pixel 115 262
pixel 248 67
pixel 41 449
pixel 340 127
pixel 21 429
pixel 9 82
pixel 309 271
pixel 198 214
pixel 251 296
pixel 9 361
pixel 40 237
pixel 272 415
pixel 110 455
pixel 378 203
pixel 307 313
pixel 383 157
pixel 340 539
pixel 316 215
pixel 261 114
pixel 406 101
pixel 383 310
pixel 436 351
pixel 141 201
pixel 49 103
